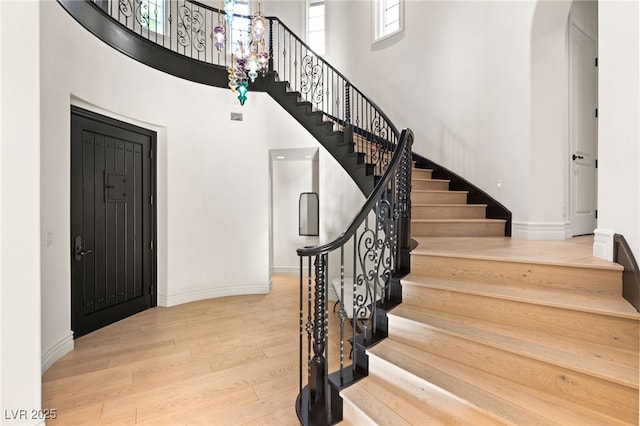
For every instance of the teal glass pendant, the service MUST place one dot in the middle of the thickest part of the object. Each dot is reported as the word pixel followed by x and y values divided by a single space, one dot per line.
pixel 242 92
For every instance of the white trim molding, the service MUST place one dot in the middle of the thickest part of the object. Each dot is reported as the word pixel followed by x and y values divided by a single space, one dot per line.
pixel 211 293
pixel 57 351
pixel 285 269
pixel 549 231
pixel 603 244
pixel 378 15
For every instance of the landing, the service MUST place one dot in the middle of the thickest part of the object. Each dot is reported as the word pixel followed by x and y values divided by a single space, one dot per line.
pixel 575 251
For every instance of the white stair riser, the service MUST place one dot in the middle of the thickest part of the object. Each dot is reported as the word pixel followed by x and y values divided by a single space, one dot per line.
pixel 618 332
pixel 354 415
pixel 574 387
pixel 563 279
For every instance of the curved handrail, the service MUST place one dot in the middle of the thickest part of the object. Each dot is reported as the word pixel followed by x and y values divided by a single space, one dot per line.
pixel 406 139
pixel 380 243
pixel 338 73
pixel 186 30
pixel 299 40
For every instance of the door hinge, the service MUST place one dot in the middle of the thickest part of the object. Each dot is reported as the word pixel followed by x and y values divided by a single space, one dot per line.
pixel 596 112
pixel 151 245
pixel 596 212
pixel 596 61
pixel 596 163
pixel 151 199
pixel 151 154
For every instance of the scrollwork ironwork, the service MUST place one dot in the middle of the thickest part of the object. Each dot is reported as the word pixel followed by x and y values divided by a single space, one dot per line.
pixel 311 79
pixel 142 13
pixel 375 262
pixel 190 29
pixel 126 8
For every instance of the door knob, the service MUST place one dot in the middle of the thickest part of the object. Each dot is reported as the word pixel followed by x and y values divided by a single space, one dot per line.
pixel 78 251
pixel 577 157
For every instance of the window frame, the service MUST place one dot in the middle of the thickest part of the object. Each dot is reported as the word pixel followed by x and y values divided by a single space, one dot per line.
pixel 309 4
pixel 245 35
pixel 378 24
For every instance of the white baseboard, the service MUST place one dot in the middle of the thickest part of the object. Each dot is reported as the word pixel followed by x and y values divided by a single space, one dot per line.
pixel 603 244
pixel 210 293
pixel 57 351
pixel 548 231
pixel 286 269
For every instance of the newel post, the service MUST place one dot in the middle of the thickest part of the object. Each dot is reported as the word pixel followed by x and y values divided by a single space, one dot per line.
pixel 318 375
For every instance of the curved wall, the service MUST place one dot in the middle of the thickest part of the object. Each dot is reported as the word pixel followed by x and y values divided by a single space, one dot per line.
pixel 213 173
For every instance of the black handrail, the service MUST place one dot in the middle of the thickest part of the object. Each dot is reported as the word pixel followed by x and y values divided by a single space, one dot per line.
pixel 187 27
pixel 338 73
pixel 369 204
pixel 379 232
pixel 380 235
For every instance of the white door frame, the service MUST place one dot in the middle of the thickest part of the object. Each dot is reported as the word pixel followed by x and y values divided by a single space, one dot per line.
pixel 583 135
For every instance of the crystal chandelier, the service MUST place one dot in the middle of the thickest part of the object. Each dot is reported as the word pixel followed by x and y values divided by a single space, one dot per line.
pixel 246 61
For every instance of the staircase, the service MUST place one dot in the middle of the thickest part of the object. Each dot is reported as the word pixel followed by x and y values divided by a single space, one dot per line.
pixel 329 132
pixel 481 336
pixel 438 212
pixel 499 331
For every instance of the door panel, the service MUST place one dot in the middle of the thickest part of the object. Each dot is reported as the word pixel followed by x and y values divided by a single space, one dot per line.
pixel 112 176
pixel 583 131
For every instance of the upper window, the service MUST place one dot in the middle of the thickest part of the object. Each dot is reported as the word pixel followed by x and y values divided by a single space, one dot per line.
pixel 155 10
pixel 388 17
pixel 241 31
pixel 315 26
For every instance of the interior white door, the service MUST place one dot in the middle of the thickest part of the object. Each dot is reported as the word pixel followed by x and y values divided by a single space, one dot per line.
pixel 583 131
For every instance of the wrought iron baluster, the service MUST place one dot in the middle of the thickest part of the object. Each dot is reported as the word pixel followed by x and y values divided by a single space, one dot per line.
pixel 270 44
pixel 309 325
pixel 300 306
pixel 353 309
pixel 341 314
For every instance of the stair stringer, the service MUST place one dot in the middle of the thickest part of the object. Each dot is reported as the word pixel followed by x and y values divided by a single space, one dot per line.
pixel 338 143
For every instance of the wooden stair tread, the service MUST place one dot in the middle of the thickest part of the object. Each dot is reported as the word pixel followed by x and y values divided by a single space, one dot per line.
pixel 449 376
pixel 603 305
pixel 506 249
pixel 430 180
pixel 424 405
pixel 458 220
pixel 371 407
pixel 611 364
pixel 432 191
pixel 446 205
pixel 509 400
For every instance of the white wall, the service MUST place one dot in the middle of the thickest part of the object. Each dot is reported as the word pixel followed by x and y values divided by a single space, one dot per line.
pixel 292 13
pixel 213 173
pixel 618 125
pixel 461 80
pixel 484 86
pixel 19 213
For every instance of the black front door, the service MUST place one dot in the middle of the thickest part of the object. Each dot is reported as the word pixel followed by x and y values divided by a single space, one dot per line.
pixel 112 220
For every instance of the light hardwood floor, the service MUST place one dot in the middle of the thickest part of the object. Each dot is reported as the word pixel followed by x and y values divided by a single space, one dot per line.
pixel 231 360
